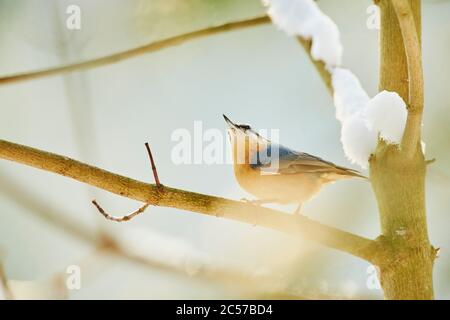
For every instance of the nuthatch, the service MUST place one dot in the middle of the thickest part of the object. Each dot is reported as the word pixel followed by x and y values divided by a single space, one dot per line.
pixel 276 174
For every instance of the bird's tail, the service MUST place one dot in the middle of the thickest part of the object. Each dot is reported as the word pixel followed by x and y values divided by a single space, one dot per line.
pixel 339 173
pixel 346 172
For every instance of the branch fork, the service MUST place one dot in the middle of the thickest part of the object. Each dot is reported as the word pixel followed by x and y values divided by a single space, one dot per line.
pixel 412 45
pixel 140 210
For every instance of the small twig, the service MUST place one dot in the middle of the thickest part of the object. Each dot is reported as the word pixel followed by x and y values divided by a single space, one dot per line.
pixel 152 162
pixel 159 45
pixel 130 216
pixel 430 161
pixel 318 64
pixel 191 201
pixel 135 52
pixel 127 217
pixel 106 243
pixel 436 252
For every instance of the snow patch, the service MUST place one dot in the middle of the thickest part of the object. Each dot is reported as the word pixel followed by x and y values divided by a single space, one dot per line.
pixel 303 18
pixel 386 114
pixel 358 141
pixel 349 96
pixel 364 120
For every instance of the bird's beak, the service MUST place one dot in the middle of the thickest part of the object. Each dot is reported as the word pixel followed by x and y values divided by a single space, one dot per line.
pixel 229 122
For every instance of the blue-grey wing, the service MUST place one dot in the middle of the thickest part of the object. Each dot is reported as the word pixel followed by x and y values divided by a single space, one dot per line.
pixel 293 162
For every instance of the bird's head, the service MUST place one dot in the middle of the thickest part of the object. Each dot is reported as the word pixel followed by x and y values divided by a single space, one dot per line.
pixel 243 139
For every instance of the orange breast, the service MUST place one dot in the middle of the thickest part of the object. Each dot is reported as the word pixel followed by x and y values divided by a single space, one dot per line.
pixel 295 188
pixel 288 188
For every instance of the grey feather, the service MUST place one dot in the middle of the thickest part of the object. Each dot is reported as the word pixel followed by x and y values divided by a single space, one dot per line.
pixel 293 162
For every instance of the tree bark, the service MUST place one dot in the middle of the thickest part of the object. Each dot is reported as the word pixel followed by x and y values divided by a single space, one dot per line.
pixel 399 181
pixel 159 195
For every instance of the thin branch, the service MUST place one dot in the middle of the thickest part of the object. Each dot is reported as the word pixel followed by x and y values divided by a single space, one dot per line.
pixel 175 198
pixel 124 55
pixel 319 64
pixel 163 44
pixel 130 216
pixel 152 162
pixel 411 41
pixel 124 218
pixel 77 230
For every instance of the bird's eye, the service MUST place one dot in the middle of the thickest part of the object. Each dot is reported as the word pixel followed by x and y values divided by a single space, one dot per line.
pixel 244 126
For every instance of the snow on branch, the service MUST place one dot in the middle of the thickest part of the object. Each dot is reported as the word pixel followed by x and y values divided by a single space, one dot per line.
pixel 150 47
pixel 363 120
pixel 191 201
pixel 358 140
pixel 348 94
pixel 386 114
pixel 303 18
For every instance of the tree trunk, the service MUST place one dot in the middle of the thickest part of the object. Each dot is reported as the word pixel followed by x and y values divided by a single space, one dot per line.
pixel 399 182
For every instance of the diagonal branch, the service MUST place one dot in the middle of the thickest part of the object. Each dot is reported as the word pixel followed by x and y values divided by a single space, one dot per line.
pixel 318 64
pixel 190 201
pixel 411 41
pixel 109 244
pixel 137 212
pixel 124 55
pixel 159 45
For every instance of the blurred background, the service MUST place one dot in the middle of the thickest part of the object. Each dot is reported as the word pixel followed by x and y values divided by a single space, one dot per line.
pixel 103 117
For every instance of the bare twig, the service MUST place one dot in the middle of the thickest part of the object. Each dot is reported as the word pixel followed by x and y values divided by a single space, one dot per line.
pixel 130 216
pixel 159 45
pixel 152 162
pixel 318 64
pixel 106 243
pixel 124 55
pixel 191 201
pixel 124 218
pixel 411 41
